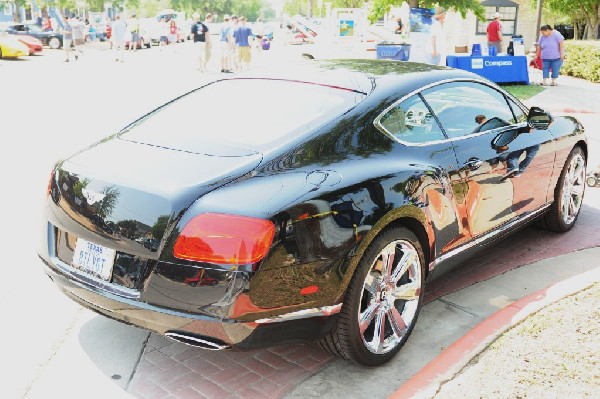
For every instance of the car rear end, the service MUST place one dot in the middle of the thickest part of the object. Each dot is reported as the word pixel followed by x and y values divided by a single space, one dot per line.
pixel 127 233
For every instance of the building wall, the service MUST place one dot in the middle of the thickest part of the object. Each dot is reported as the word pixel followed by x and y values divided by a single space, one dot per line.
pixel 463 31
pixel 6 11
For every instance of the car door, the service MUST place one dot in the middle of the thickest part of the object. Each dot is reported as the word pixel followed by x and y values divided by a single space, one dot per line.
pixel 434 183
pixel 501 160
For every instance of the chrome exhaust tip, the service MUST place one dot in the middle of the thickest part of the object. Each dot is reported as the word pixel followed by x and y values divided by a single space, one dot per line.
pixel 198 341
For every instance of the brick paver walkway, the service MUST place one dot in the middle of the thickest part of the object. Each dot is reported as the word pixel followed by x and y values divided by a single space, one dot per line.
pixel 172 370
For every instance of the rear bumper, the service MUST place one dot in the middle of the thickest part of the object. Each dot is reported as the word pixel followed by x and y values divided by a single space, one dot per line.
pixel 299 326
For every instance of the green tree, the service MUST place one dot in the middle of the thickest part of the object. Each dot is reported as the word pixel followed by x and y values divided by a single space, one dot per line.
pixel 158 230
pixel 107 205
pixel 381 7
pixel 588 10
pixel 251 9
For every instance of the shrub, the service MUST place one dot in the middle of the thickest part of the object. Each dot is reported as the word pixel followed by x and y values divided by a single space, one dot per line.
pixel 582 60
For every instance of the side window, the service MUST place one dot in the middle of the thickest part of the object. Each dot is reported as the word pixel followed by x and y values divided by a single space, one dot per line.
pixel 464 108
pixel 520 116
pixel 411 121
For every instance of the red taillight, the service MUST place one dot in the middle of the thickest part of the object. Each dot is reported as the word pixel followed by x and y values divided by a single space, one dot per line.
pixel 224 239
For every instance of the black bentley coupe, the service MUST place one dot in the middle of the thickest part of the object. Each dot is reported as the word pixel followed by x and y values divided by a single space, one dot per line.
pixel 307 204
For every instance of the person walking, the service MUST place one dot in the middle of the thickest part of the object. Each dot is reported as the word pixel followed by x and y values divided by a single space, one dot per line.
pixel 208 47
pixel 232 48
pixel 67 33
pixel 436 44
pixel 78 36
pixel 119 30
pixel 494 33
pixel 199 33
pixel 224 40
pixel 551 49
pixel 241 35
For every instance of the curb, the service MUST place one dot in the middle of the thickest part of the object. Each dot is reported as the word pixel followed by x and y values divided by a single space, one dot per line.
pixel 426 382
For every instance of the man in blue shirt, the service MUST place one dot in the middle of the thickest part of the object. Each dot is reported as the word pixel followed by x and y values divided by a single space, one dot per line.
pixel 241 35
pixel 67 32
pixel 225 39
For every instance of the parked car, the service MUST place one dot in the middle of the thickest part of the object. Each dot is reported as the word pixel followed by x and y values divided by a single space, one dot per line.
pixel 322 214
pixel 11 47
pixel 34 45
pixel 48 38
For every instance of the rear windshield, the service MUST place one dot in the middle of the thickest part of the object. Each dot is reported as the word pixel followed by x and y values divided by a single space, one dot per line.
pixel 247 113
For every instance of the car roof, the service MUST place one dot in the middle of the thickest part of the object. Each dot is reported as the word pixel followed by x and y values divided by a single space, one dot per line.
pixel 361 75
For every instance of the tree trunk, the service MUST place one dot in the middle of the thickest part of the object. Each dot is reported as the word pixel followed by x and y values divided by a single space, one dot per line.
pixel 592 24
pixel 592 27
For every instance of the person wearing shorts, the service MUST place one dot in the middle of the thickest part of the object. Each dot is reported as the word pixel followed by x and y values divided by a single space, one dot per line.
pixel 199 33
pixel 163 33
pixel 242 35
pixel 134 26
pixel 67 38
pixel 224 40
pixel 208 46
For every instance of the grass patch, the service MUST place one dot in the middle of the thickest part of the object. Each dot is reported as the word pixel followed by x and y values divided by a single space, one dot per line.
pixel 523 92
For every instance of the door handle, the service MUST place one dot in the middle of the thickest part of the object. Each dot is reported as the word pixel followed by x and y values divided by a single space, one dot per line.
pixel 474 163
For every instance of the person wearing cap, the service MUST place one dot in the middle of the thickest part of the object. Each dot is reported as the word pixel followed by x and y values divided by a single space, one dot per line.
pixel 436 44
pixel 494 33
pixel 225 39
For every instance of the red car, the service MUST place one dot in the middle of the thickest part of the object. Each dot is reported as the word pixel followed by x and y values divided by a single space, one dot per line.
pixel 35 45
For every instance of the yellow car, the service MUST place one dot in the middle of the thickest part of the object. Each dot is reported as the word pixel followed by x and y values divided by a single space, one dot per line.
pixel 11 47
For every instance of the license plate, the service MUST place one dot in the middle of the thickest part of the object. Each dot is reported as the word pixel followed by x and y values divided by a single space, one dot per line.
pixel 94 259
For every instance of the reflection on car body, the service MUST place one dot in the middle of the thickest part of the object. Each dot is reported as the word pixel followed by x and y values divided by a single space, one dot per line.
pixel 322 222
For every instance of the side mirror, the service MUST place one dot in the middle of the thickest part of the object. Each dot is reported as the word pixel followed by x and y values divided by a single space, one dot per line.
pixel 539 119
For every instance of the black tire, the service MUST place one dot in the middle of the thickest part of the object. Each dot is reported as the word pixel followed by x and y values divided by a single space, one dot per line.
pixel 591 181
pixel 374 297
pixel 55 43
pixel 568 195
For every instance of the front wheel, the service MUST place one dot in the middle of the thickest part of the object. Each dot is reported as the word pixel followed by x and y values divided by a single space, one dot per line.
pixel 568 195
pixel 383 300
pixel 54 43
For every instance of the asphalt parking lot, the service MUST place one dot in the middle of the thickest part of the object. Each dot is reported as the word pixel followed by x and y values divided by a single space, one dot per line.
pixel 57 349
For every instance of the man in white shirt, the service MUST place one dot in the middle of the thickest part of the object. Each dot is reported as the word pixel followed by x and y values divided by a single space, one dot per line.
pixel 436 44
pixel 119 29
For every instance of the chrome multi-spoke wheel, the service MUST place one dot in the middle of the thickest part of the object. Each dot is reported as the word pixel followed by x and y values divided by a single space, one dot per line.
pixel 568 195
pixel 390 297
pixel 382 302
pixel 573 189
